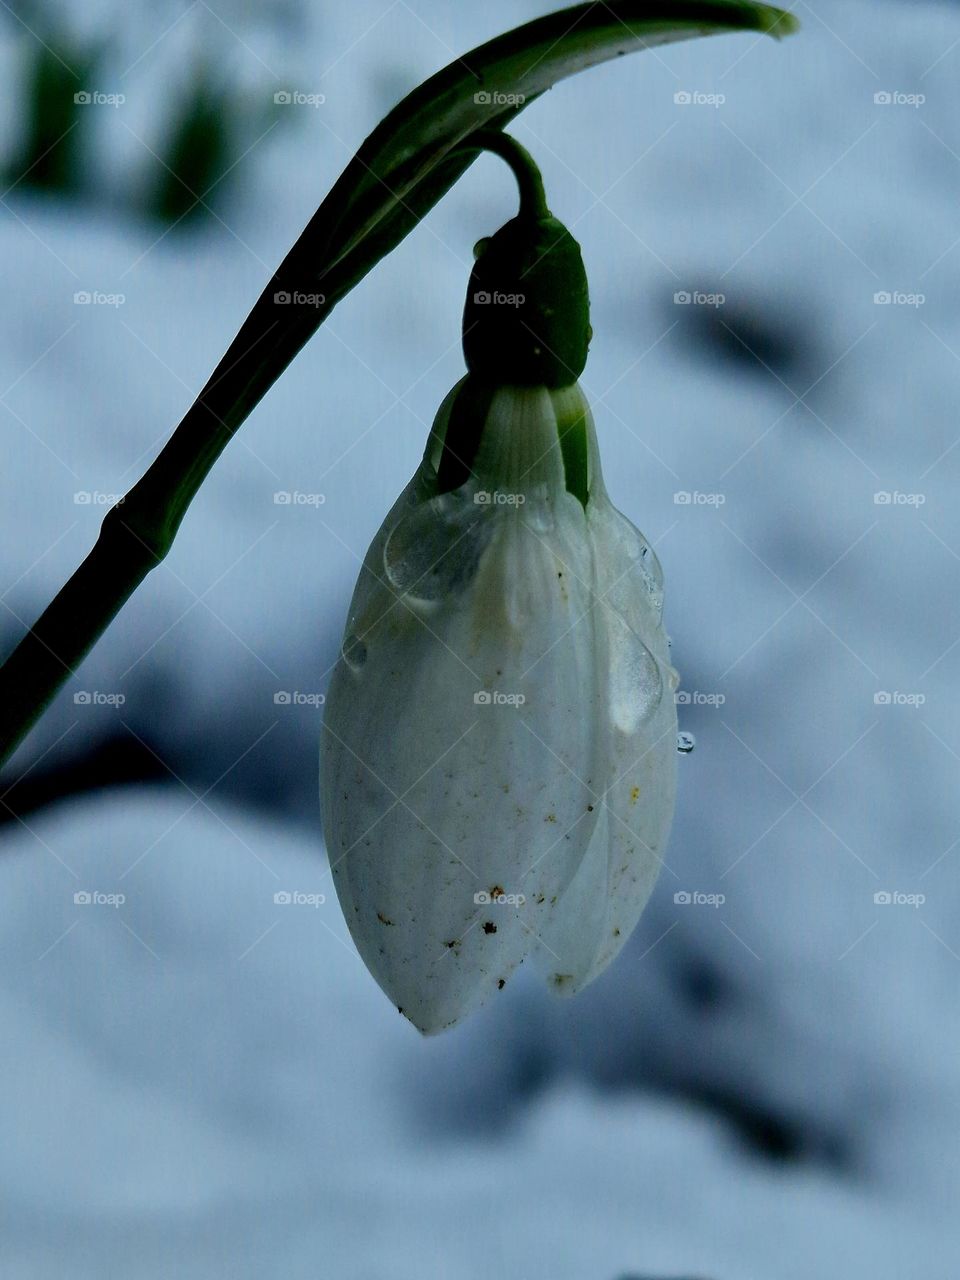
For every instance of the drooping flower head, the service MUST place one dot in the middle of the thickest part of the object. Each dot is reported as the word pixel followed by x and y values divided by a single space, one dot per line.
pixel 498 759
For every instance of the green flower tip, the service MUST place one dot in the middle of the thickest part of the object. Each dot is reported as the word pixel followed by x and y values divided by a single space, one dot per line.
pixel 526 320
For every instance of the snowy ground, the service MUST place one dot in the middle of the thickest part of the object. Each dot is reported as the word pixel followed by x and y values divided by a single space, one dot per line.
pixel 198 1080
pixel 213 1077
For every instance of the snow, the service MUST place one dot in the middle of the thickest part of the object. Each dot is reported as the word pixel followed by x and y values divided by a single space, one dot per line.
pixel 174 1100
pixel 199 1078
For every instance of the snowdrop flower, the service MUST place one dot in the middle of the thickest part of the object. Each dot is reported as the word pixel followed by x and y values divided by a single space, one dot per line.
pixel 498 759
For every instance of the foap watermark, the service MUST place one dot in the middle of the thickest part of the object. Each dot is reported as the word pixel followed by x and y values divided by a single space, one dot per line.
pixel 894 498
pixel 296 898
pixel 884 698
pixel 497 897
pixel 694 498
pixel 894 898
pixel 94 498
pixel 696 698
pixel 697 98
pixel 294 498
pixel 898 298
pixel 297 298
pixel 296 98
pixel 494 698
pixel 495 498
pixel 897 98
pixel 294 698
pixel 96 98
pixel 495 98
pixel 98 298
pixel 484 298
pixel 94 898
pixel 694 898
pixel 698 298
pixel 95 698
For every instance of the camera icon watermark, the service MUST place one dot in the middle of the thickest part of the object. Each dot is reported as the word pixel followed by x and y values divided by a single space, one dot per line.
pixel 494 698
pixel 884 698
pixel 894 898
pixel 94 498
pixel 694 498
pixel 494 98
pixel 495 498
pixel 94 698
pixel 898 298
pixel 288 698
pixel 497 897
pixel 897 98
pixel 94 98
pixel 484 298
pixel 894 498
pixel 294 98
pixel 695 698
pixel 698 298
pixel 94 898
pixel 694 898
pixel 696 98
pixel 298 298
pixel 97 298
pixel 296 898
pixel 294 498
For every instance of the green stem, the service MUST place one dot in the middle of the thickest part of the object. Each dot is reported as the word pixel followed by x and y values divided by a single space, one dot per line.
pixel 135 535
pixel 533 199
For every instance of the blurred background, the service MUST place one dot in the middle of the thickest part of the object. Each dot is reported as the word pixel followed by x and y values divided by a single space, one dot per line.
pixel 199 1081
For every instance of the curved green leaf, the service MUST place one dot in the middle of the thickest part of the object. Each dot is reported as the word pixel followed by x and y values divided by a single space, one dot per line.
pixel 403 150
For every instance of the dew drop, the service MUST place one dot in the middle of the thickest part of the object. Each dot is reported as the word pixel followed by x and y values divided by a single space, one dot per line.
pixel 685 743
pixel 636 686
pixel 434 551
pixel 651 574
pixel 354 652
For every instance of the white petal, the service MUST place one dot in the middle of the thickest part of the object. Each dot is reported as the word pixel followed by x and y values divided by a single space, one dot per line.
pixel 638 759
pixel 430 798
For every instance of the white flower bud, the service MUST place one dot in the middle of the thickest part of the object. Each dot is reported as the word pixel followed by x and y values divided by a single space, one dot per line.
pixel 498 763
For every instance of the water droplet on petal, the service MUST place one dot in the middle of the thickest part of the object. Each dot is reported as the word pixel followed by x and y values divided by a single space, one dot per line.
pixel 685 743
pixel 651 573
pixel 434 551
pixel 636 685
